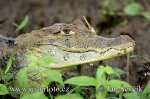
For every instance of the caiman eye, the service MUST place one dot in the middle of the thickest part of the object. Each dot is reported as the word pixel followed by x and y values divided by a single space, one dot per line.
pixel 67 32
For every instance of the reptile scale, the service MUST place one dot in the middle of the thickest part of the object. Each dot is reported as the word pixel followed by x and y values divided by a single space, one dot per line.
pixel 70 45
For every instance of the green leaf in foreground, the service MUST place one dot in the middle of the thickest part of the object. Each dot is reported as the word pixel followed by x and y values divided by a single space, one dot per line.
pixel 34 60
pixel 22 24
pixel 69 96
pixel 39 61
pixel 117 73
pixel 133 9
pixel 109 70
pixel 22 78
pixel 100 76
pixel 131 96
pixel 7 77
pixel 82 81
pixel 146 91
pixel 9 62
pixel 118 83
pixel 36 95
pixel 52 75
pixel 146 15
pixel 3 89
pixel 46 60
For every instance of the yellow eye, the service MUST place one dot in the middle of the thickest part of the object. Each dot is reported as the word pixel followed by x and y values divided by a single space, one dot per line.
pixel 71 32
pixel 67 32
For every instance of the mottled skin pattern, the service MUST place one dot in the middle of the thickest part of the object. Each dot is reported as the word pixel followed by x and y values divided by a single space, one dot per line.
pixel 70 45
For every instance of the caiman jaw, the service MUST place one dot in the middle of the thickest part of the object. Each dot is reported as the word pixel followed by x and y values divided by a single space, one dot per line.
pixel 68 58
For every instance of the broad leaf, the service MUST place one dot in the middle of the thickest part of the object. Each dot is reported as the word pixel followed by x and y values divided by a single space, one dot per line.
pixel 133 9
pixel 117 73
pixel 22 78
pixel 109 70
pixel 118 86
pixel 52 75
pixel 146 91
pixel 100 73
pixel 36 95
pixel 7 77
pixel 82 81
pixel 131 96
pixel 45 61
pixel 118 83
pixel 3 89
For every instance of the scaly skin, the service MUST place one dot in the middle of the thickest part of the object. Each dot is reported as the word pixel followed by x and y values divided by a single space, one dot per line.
pixel 70 45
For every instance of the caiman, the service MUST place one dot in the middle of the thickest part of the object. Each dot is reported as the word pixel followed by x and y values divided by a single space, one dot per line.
pixel 69 45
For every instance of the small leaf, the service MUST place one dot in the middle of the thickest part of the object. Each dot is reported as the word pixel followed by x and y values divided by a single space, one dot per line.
pixel 131 96
pixel 117 73
pixel 3 89
pixel 146 15
pixel 39 61
pixel 34 60
pixel 9 62
pixel 22 77
pixel 22 24
pixel 53 75
pixel 118 86
pixel 118 83
pixel 133 9
pixel 146 91
pixel 45 61
pixel 69 96
pixel 100 73
pixel 36 95
pixel 109 70
pixel 7 76
pixel 82 81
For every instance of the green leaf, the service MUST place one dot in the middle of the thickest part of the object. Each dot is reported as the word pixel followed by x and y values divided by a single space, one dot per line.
pixel 7 77
pixel 100 73
pixel 3 89
pixel 133 9
pixel 118 86
pixel 69 96
pixel 22 24
pixel 46 60
pixel 22 78
pixel 146 15
pixel 118 83
pixel 9 62
pixel 100 77
pixel 109 70
pixel 117 73
pixel 82 81
pixel 131 96
pixel 52 75
pixel 146 91
pixel 42 61
pixel 36 95
pixel 34 60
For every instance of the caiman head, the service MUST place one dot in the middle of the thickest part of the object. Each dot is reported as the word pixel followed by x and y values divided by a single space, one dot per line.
pixel 70 45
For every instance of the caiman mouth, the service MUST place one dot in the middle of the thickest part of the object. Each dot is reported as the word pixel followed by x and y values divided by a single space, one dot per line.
pixel 110 53
pixel 115 49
